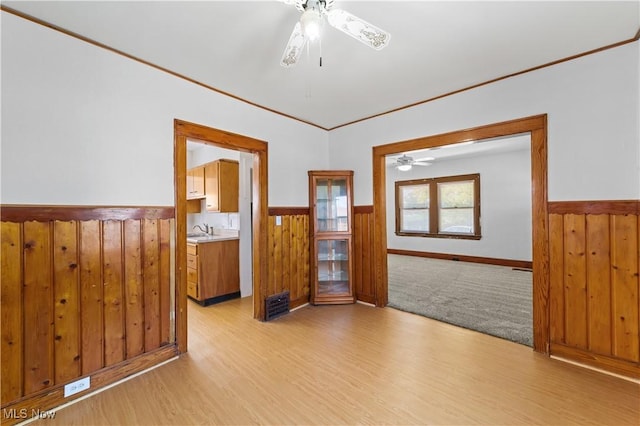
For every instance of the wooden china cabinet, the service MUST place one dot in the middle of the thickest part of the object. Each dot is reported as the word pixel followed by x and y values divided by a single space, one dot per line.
pixel 331 212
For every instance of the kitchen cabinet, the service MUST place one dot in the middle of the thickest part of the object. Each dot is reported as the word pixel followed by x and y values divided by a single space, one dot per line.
pixel 331 211
pixel 213 271
pixel 196 183
pixel 221 185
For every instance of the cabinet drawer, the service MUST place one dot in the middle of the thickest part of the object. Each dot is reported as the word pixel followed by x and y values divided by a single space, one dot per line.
pixel 192 261
pixel 192 275
pixel 192 289
pixel 192 249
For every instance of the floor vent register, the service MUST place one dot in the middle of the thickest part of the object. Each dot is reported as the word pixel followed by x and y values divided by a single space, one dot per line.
pixel 276 305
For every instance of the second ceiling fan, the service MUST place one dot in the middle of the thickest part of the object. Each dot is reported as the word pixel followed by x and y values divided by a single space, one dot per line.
pixel 405 162
pixel 311 21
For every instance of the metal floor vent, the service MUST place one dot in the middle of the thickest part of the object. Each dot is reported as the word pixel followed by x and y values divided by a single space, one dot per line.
pixel 276 305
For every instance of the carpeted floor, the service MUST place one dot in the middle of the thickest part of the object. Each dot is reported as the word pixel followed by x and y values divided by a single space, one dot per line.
pixel 495 300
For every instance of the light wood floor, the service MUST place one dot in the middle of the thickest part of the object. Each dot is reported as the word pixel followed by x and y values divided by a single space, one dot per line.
pixel 354 364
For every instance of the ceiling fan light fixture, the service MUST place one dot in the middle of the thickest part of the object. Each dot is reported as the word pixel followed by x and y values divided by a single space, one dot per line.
pixel 311 22
pixel 404 167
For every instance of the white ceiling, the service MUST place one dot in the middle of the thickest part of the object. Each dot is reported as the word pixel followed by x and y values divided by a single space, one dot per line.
pixel 436 47
pixel 473 149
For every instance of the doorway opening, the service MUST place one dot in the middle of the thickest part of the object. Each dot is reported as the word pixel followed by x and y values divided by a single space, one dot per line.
pixel 184 132
pixel 460 245
pixel 536 126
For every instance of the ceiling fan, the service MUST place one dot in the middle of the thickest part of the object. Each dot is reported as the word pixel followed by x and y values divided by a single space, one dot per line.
pixel 312 19
pixel 405 163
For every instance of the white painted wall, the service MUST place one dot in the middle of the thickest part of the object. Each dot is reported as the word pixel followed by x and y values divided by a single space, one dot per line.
pixel 85 126
pixel 505 195
pixel 593 119
pixel 82 125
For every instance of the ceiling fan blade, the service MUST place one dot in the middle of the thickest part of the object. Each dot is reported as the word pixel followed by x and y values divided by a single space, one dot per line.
pixel 359 29
pixel 294 47
pixel 299 4
pixel 418 163
pixel 424 159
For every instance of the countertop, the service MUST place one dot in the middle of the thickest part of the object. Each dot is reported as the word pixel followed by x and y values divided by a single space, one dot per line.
pixel 218 235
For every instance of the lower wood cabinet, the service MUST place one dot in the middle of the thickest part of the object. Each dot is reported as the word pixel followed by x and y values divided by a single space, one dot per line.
pixel 213 271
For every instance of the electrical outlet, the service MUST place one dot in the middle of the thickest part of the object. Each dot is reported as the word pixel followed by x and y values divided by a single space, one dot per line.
pixel 77 386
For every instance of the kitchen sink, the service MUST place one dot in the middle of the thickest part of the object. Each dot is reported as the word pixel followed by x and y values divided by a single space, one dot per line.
pixel 196 235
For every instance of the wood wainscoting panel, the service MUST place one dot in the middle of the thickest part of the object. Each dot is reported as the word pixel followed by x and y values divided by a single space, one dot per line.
pixel 91 296
pixel 624 289
pixel 288 240
pixel 80 295
pixel 66 301
pixel 594 283
pixel 133 297
pixel 151 279
pixel 289 253
pixel 575 282
pixel 114 320
pixel 557 331
pixel 363 265
pixel 11 312
pixel 598 284
pixel 37 307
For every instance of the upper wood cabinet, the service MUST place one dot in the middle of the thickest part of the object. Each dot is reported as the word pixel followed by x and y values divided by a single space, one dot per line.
pixel 331 211
pixel 222 185
pixel 195 183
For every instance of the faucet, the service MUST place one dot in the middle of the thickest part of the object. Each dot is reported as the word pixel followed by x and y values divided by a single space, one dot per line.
pixel 205 230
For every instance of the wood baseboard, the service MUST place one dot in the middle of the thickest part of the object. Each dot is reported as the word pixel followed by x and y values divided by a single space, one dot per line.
pixel 298 302
pixel 524 264
pixel 367 298
pixel 604 362
pixel 54 397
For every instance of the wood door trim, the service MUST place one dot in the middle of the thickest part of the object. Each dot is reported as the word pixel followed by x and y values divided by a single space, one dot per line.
pixel 537 127
pixel 184 130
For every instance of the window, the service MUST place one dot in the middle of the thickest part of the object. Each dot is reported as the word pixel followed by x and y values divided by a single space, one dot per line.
pixel 446 207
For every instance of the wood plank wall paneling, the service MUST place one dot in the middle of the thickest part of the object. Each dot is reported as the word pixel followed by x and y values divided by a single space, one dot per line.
pixel 37 307
pixel 289 253
pixel 114 319
pixel 66 301
pixel 289 250
pixel 363 265
pixel 11 257
pixel 81 295
pixel 594 283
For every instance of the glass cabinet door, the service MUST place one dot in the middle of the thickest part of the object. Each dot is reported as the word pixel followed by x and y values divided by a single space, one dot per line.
pixel 333 267
pixel 332 205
